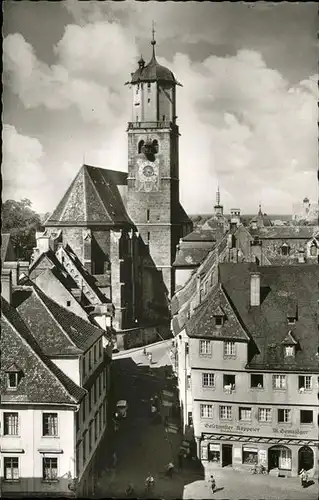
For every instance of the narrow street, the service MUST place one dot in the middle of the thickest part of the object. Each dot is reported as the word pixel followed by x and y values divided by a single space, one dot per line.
pixel 142 446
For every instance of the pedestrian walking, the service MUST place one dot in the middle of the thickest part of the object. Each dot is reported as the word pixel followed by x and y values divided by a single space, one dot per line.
pixel 150 357
pixel 114 460
pixel 303 478
pixel 170 469
pixel 149 482
pixel 212 483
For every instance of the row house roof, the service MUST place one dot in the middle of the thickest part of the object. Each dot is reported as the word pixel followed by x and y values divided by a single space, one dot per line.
pixel 57 330
pixel 40 380
pixel 267 324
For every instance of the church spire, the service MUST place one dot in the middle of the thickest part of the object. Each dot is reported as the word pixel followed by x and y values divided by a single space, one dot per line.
pixel 153 42
pixel 217 196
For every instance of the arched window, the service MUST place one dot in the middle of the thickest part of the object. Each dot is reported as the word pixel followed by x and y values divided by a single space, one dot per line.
pixel 140 146
pixel 155 146
pixel 313 249
pixel 285 249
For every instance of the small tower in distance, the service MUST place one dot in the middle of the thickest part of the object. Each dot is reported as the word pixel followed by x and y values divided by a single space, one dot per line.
pixel 218 208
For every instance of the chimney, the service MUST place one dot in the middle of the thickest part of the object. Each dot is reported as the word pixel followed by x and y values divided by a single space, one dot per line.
pixel 254 289
pixel 6 285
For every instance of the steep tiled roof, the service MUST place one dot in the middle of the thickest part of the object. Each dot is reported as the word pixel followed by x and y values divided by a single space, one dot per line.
pixel 268 323
pixel 92 199
pixel 42 381
pixel 285 232
pixel 202 323
pixel 7 250
pixel 57 330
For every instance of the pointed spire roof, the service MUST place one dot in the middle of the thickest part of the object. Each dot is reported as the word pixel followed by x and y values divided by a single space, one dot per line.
pixel 93 198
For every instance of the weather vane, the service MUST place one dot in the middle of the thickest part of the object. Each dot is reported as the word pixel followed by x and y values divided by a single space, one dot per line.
pixel 153 33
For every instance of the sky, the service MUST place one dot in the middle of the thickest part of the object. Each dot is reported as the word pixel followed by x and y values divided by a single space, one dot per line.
pixel 247 110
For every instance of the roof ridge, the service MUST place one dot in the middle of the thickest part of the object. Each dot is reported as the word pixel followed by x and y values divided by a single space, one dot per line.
pixel 26 336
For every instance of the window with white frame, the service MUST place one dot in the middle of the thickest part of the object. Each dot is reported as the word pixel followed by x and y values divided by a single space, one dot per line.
pixel 50 468
pixel 279 381
pixel 225 412
pixel 304 383
pixel 12 380
pixel 49 424
pixel 264 414
pixel 289 351
pixel 208 379
pixel 245 413
pixel 230 349
pixel 11 468
pixel 284 415
pixel 10 424
pixel 206 411
pixel 229 382
pixel 205 347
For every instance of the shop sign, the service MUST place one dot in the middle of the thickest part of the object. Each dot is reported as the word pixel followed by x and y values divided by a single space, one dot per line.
pixel 232 428
pixel 291 432
pixel 214 447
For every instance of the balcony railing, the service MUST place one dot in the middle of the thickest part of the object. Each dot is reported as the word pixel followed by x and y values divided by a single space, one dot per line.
pixel 160 124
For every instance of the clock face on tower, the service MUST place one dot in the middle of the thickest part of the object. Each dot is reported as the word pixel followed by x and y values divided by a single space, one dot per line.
pixel 147 176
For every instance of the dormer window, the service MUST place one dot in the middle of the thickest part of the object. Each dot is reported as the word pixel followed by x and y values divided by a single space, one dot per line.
pixel 13 377
pixel 285 249
pixel 219 320
pixel 313 250
pixel 289 351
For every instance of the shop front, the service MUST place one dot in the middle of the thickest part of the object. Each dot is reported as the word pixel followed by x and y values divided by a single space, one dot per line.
pixel 284 457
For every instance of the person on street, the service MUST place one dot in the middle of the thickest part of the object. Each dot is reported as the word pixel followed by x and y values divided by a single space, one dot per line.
pixel 212 483
pixel 303 478
pixel 114 460
pixel 170 469
pixel 149 482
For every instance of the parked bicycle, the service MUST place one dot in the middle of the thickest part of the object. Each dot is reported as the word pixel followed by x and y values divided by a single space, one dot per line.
pixel 258 469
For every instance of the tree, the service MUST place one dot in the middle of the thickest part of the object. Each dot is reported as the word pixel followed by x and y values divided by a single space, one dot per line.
pixel 21 222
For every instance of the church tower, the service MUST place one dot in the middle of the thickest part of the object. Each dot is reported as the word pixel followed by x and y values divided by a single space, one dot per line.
pixel 153 172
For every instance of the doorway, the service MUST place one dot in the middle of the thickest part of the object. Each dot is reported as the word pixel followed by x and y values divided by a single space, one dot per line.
pixel 227 454
pixel 305 458
pixel 279 457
